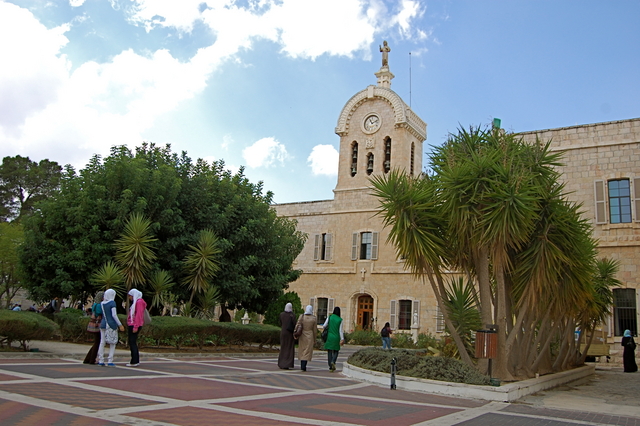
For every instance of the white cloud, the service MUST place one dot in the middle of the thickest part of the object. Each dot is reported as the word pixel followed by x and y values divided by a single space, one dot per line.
pixel 76 3
pixel 166 13
pixel 324 160
pixel 265 153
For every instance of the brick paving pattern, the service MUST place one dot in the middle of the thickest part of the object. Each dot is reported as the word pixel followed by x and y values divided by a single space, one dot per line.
pixel 241 391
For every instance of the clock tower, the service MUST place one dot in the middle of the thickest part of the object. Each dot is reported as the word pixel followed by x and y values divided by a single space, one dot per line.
pixel 378 132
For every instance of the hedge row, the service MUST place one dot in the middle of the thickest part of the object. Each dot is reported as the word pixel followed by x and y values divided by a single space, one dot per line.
pixel 418 363
pixel 23 326
pixel 177 331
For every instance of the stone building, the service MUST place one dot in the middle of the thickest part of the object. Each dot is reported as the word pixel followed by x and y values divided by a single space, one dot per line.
pixel 346 261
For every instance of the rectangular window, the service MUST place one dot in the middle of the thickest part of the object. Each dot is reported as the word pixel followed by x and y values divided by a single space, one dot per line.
pixel 439 320
pixel 404 314
pixel 624 311
pixel 322 247
pixel 321 311
pixel 619 201
pixel 365 245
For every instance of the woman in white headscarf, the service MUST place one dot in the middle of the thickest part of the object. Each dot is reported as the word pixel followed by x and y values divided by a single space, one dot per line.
pixel 287 350
pixel 307 339
pixel 135 321
pixel 109 327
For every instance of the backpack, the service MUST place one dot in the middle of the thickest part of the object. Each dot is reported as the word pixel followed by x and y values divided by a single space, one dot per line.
pixel 384 332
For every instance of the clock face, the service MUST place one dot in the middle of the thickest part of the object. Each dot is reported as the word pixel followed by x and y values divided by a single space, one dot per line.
pixel 371 123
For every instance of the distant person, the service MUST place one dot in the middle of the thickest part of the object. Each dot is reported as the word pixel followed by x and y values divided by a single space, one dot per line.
pixel 385 333
pixel 287 351
pixel 96 314
pixel 109 327
pixel 335 337
pixel 32 308
pixel 135 321
pixel 307 338
pixel 628 354
pixel 17 308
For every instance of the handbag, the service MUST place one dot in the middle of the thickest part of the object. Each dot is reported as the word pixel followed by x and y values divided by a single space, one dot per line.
pixel 111 335
pixel 94 324
pixel 325 332
pixel 298 331
pixel 147 318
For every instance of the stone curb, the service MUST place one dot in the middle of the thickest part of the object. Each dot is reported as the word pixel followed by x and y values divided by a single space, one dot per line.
pixel 505 393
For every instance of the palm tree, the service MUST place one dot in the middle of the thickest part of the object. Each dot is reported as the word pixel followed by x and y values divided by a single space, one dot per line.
pixel 208 302
pixel 463 307
pixel 202 262
pixel 134 251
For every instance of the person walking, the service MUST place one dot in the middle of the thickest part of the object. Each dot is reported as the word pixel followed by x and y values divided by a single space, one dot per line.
pixel 96 315
pixel 307 337
pixel 135 321
pixel 335 337
pixel 287 351
pixel 109 327
pixel 385 333
pixel 629 353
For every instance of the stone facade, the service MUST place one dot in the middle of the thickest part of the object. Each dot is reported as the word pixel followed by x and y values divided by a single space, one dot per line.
pixel 372 291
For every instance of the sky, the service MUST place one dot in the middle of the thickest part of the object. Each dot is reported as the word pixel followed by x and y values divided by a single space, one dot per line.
pixel 261 83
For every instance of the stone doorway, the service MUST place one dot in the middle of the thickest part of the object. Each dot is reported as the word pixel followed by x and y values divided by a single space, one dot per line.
pixel 365 312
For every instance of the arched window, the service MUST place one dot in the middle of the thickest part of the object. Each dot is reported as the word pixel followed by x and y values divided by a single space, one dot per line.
pixel 354 158
pixel 387 154
pixel 369 163
pixel 413 151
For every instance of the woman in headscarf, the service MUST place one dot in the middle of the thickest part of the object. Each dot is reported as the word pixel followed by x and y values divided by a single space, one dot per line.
pixel 335 337
pixel 96 312
pixel 307 339
pixel 135 321
pixel 109 327
pixel 287 351
pixel 628 354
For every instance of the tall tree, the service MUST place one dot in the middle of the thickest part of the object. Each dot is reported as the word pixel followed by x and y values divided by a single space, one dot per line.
pixel 11 236
pixel 73 233
pixel 23 183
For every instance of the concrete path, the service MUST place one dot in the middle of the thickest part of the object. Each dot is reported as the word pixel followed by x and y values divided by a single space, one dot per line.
pixel 55 388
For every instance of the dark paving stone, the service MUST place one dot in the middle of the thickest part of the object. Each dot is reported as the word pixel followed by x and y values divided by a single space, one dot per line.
pixel 74 396
pixel 191 416
pixel 344 410
pixel 584 416
pixel 16 413
pixel 424 398
pixel 495 419
pixel 182 388
pixel 67 371
pixel 293 381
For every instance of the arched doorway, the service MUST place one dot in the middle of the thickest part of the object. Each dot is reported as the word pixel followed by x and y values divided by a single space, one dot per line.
pixel 365 312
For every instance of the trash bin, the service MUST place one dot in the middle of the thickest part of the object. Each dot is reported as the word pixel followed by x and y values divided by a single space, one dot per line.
pixel 486 344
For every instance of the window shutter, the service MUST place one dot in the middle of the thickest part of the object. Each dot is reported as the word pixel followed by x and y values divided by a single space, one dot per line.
pixel 416 313
pixel 330 306
pixel 439 320
pixel 354 246
pixel 316 247
pixel 374 245
pixel 312 302
pixel 601 203
pixel 636 199
pixel 327 253
pixel 392 314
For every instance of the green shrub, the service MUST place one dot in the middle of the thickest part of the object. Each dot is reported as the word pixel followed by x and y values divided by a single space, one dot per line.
pixel 402 340
pixel 418 363
pixel 272 316
pixel 363 338
pixel 72 323
pixel 426 341
pixel 23 326
pixel 184 331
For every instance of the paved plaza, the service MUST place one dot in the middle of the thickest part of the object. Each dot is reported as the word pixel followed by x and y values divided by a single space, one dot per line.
pixel 243 390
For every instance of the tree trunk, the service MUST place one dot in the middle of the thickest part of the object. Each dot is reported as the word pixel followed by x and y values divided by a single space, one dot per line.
pixel 502 361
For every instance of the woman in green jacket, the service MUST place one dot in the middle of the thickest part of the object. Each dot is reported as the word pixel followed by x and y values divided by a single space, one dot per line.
pixel 335 337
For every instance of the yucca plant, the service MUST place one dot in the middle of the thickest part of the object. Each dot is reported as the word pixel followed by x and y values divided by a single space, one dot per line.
pixel 160 283
pixel 134 251
pixel 207 302
pixel 463 310
pixel 109 276
pixel 202 262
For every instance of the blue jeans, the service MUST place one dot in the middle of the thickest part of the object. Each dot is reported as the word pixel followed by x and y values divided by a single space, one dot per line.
pixel 332 356
pixel 386 343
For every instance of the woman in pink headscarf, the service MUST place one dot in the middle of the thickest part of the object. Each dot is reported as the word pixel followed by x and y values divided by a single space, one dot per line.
pixel 135 321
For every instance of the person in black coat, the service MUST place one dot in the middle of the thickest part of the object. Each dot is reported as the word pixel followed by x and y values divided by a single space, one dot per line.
pixel 287 349
pixel 629 353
